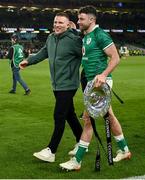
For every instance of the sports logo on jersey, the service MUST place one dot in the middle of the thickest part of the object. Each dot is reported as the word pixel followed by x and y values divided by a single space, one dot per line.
pixel 88 40
pixel 20 52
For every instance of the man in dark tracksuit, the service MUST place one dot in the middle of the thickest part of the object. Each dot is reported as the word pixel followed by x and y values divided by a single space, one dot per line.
pixel 63 49
pixel 16 55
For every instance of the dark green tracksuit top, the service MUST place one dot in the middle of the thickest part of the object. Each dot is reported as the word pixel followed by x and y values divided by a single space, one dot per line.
pixel 64 55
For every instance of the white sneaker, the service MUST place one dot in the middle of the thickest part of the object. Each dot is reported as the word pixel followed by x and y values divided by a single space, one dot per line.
pixel 74 151
pixel 122 155
pixel 45 155
pixel 70 165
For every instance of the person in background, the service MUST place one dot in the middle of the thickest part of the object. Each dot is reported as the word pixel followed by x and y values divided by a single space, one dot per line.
pixel 16 55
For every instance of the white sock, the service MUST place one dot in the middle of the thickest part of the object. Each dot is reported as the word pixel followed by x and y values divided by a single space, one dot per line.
pixel 119 138
pixel 84 144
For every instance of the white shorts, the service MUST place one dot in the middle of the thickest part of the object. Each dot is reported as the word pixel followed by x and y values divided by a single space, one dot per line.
pixel 109 81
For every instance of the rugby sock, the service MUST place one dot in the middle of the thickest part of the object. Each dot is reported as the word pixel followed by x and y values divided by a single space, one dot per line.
pixel 121 142
pixel 81 150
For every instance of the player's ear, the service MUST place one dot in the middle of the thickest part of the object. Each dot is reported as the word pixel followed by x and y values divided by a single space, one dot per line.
pixel 92 19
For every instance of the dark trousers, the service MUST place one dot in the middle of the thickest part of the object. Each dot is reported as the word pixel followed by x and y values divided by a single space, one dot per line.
pixel 64 110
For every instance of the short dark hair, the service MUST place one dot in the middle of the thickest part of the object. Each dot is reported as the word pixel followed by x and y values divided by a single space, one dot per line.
pixel 15 37
pixel 88 10
pixel 63 14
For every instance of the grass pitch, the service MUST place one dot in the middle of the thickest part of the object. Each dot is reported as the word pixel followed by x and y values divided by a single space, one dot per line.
pixel 26 125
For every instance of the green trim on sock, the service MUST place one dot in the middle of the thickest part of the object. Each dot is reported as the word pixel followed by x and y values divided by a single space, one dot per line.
pixel 80 153
pixel 122 144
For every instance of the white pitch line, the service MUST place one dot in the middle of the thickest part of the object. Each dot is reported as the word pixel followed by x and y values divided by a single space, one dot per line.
pixel 136 177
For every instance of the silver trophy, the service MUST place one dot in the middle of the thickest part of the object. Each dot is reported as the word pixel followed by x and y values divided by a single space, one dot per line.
pixel 97 99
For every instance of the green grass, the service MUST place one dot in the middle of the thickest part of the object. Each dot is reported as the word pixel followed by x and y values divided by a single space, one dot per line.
pixel 26 124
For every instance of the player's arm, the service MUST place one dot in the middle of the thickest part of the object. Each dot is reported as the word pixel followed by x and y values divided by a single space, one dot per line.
pixel 112 53
pixel 114 59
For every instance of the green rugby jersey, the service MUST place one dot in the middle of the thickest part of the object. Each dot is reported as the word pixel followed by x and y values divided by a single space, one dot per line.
pixel 94 60
pixel 18 54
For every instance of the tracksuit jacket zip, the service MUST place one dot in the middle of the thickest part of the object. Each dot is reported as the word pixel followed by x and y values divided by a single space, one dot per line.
pixel 57 40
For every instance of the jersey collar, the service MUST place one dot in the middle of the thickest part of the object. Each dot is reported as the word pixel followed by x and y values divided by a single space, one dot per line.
pixel 96 26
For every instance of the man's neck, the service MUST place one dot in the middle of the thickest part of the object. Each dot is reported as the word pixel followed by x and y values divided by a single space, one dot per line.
pixel 91 28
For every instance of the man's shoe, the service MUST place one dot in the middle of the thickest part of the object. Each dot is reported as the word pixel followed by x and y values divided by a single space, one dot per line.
pixel 74 151
pixel 12 91
pixel 27 92
pixel 71 165
pixel 122 155
pixel 45 155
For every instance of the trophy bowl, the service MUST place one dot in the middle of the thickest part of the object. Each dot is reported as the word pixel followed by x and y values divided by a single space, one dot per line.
pixel 97 99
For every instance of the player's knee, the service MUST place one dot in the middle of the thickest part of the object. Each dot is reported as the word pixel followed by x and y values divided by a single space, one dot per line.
pixel 112 118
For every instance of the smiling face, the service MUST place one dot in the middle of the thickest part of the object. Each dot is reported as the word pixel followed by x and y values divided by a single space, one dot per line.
pixel 61 24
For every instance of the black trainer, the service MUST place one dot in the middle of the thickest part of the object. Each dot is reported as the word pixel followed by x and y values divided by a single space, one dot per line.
pixel 12 91
pixel 27 92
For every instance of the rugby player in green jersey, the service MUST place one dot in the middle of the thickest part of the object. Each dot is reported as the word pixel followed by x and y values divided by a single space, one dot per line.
pixel 98 48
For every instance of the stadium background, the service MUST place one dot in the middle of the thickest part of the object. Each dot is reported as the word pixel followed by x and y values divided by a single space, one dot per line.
pixel 33 19
pixel 26 123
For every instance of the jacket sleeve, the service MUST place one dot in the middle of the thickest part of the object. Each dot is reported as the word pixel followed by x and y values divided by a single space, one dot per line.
pixel 10 53
pixel 40 56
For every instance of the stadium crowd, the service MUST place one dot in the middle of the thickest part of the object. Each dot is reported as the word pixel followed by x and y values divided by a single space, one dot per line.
pixel 126 17
pixel 29 48
pixel 32 49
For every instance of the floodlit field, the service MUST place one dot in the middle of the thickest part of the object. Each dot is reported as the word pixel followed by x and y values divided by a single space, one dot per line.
pixel 26 124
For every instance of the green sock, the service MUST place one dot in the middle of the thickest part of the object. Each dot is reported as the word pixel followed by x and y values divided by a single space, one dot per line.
pixel 123 145
pixel 80 153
